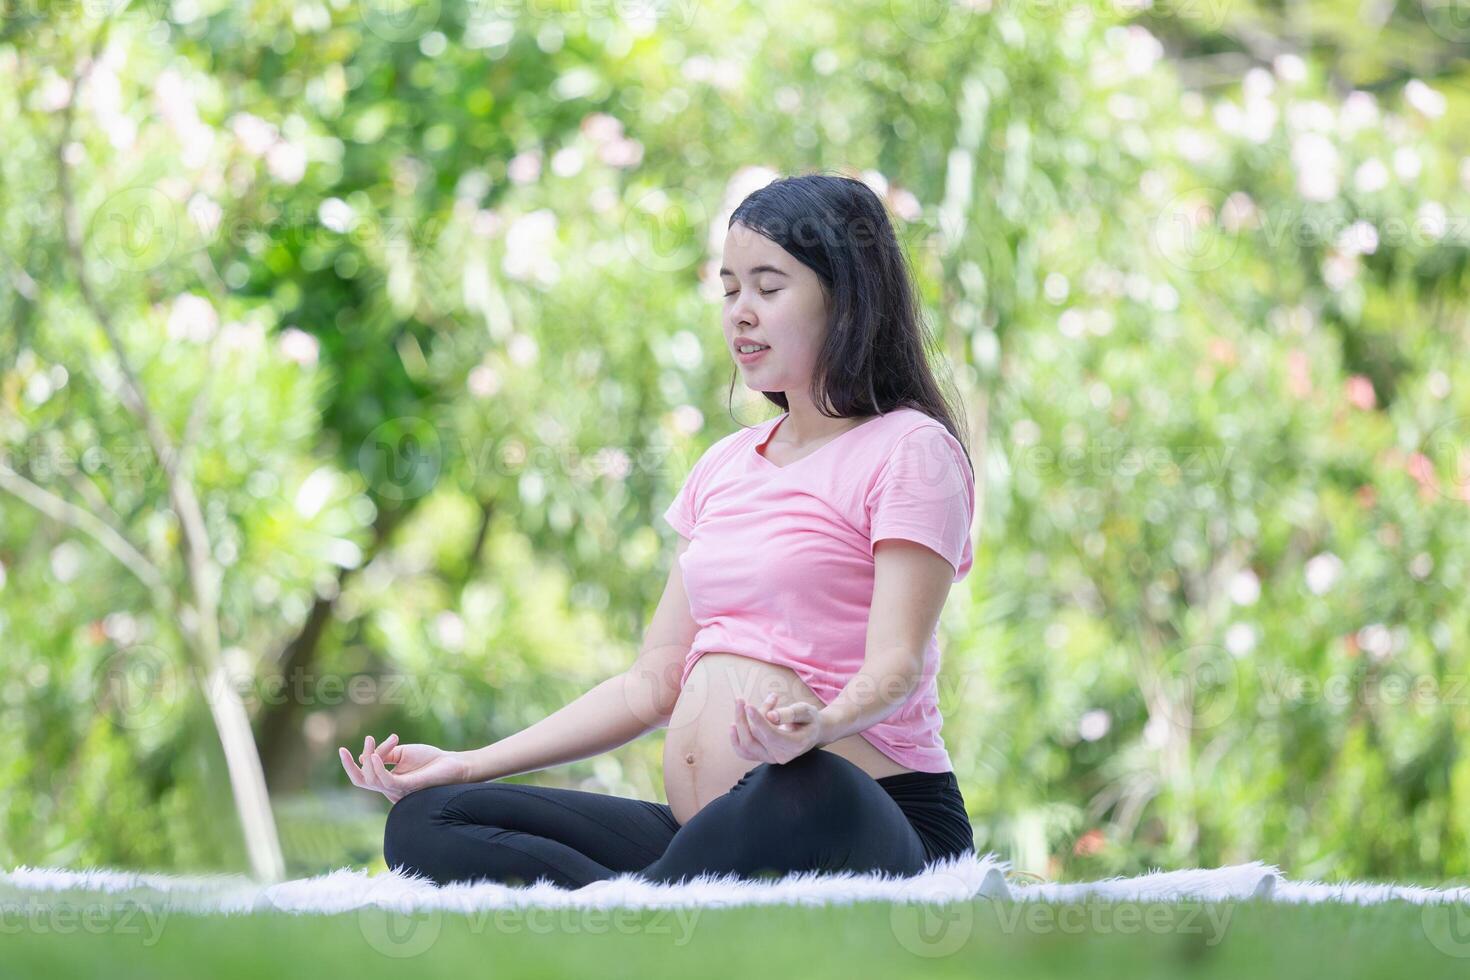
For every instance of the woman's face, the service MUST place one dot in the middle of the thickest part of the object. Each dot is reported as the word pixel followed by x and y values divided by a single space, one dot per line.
pixel 771 299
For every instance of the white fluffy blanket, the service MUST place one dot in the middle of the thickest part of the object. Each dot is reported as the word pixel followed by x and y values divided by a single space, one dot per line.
pixel 949 880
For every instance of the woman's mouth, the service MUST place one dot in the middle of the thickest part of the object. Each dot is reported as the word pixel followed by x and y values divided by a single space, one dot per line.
pixel 745 358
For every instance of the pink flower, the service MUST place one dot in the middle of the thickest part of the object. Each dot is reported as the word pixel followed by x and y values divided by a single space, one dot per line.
pixel 1421 468
pixel 1360 392
pixel 1089 843
pixel 1298 374
pixel 299 346
pixel 601 127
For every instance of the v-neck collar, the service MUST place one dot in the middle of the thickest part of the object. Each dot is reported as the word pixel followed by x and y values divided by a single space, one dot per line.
pixel 776 424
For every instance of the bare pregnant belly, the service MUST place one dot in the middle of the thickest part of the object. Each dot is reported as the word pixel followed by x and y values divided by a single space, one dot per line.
pixel 700 762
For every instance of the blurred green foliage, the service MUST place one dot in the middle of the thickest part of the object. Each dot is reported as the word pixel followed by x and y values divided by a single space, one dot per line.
pixel 434 283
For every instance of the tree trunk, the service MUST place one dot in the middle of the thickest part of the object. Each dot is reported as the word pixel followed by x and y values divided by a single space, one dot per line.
pixel 279 724
pixel 247 777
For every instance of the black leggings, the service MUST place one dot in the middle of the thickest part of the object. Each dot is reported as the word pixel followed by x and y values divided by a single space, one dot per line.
pixel 817 812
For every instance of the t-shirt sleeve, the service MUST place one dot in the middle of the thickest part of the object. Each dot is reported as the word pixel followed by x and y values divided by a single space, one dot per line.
pixel 683 512
pixel 924 492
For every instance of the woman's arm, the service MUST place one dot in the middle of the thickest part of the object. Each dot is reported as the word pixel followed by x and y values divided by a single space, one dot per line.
pixel 910 585
pixel 614 712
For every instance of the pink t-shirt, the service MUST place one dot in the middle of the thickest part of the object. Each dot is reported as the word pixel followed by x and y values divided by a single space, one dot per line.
pixel 780 561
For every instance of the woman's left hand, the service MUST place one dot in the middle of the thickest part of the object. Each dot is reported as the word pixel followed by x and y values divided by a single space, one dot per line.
pixel 766 733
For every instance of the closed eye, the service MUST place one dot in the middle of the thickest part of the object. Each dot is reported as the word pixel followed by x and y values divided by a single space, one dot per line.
pixel 763 292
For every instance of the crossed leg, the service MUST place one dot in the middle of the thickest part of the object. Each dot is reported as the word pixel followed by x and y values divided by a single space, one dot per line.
pixel 818 812
pixel 518 834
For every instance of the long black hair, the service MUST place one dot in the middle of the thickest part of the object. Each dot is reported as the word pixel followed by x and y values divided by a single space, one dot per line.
pixel 874 359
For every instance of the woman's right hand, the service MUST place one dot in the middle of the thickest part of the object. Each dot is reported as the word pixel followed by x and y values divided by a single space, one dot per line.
pixel 415 767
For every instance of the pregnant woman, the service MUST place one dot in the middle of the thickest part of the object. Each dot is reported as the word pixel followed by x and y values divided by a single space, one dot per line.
pixel 793 655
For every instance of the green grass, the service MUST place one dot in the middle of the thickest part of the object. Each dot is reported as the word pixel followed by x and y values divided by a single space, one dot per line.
pixel 118 938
